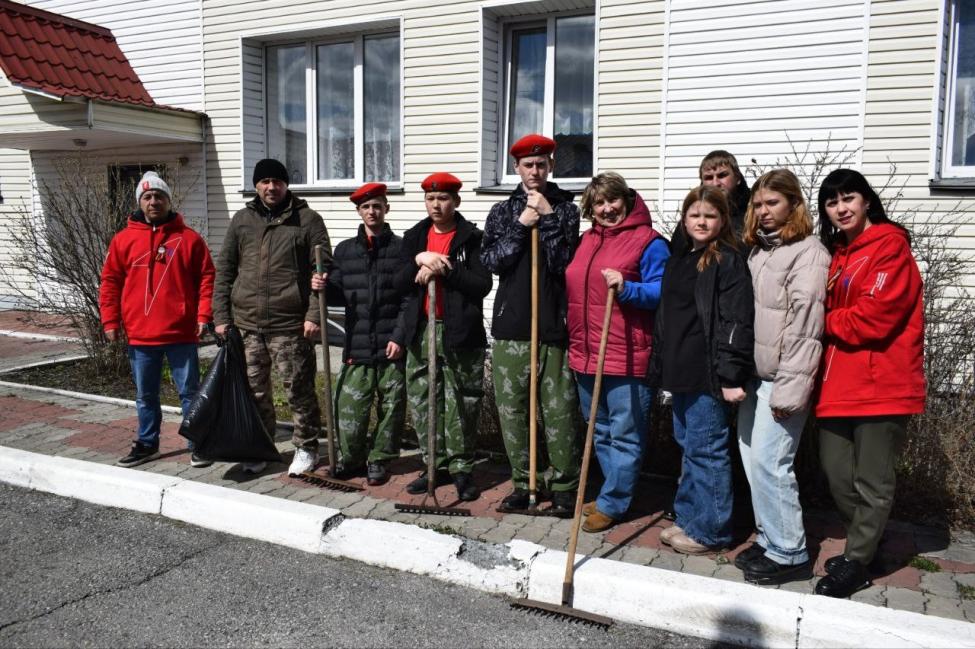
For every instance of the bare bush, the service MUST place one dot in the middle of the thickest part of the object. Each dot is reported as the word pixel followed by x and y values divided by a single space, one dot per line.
pixel 938 460
pixel 62 247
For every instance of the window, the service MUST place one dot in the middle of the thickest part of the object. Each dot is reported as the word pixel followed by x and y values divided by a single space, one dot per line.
pixel 959 124
pixel 549 70
pixel 333 109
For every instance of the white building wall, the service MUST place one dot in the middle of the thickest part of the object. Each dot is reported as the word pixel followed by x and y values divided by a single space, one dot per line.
pixel 748 78
pixel 901 99
pixel 160 38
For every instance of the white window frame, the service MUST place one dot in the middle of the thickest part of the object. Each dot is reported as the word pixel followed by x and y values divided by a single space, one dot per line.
pixel 312 35
pixel 945 101
pixel 509 25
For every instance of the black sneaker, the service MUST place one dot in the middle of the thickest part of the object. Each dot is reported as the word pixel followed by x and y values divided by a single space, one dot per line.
pixel 748 555
pixel 139 454
pixel 847 578
pixel 376 474
pixel 765 571
pixel 516 501
pixel 563 504
pixel 419 486
pixel 199 462
pixel 466 489
pixel 878 566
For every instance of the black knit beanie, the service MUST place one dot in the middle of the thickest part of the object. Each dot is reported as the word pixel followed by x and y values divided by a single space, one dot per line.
pixel 270 168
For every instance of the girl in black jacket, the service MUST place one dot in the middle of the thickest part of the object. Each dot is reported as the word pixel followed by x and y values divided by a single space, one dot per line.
pixel 706 312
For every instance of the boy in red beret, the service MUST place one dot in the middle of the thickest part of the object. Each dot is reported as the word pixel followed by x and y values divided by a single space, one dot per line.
pixel 363 279
pixel 506 252
pixel 445 248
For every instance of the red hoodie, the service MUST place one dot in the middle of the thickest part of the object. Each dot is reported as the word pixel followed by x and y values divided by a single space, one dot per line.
pixel 874 340
pixel 631 328
pixel 157 282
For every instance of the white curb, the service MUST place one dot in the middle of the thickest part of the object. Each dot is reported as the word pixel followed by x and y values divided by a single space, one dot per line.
pixel 265 518
pixel 828 622
pixel 687 604
pixel 681 603
pixel 39 336
pixel 15 466
pixel 496 569
pixel 100 484
pixel 735 612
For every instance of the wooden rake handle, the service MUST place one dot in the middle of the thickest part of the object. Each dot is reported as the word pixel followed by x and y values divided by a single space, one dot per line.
pixel 587 450
pixel 327 361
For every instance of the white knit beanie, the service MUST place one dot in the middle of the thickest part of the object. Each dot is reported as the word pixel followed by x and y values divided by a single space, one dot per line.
pixel 151 180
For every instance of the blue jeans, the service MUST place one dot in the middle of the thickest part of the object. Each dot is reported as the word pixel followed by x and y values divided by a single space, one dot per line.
pixel 768 449
pixel 147 365
pixel 704 499
pixel 622 422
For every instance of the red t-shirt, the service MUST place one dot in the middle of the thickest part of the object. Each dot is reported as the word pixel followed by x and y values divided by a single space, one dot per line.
pixel 438 242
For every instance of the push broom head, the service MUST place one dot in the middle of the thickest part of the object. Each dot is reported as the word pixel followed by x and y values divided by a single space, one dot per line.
pixel 327 482
pixel 566 613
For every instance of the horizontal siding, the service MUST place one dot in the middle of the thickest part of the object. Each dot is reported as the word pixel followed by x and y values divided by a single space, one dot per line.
pixel 900 102
pixel 16 191
pixel 629 90
pixel 160 38
pixel 758 79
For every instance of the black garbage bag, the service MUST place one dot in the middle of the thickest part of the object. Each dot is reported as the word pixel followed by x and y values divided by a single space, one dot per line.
pixel 223 421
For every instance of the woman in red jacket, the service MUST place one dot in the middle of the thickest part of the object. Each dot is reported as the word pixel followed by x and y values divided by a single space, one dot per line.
pixel 872 377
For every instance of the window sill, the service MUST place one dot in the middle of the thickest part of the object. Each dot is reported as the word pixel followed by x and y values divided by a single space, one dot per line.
pixel 314 190
pixel 955 184
pixel 575 187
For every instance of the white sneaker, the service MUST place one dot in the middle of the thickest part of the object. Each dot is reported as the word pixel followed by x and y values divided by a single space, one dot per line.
pixel 305 460
pixel 254 467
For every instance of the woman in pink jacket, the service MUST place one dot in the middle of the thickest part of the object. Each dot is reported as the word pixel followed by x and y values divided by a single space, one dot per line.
pixel 623 251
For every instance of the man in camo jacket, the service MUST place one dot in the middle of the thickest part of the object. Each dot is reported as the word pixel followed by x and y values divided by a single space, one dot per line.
pixel 506 252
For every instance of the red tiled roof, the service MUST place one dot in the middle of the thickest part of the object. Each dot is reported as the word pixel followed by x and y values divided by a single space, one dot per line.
pixel 61 56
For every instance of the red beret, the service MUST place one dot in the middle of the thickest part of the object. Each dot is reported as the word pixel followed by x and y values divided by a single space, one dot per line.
pixel 533 144
pixel 441 182
pixel 367 191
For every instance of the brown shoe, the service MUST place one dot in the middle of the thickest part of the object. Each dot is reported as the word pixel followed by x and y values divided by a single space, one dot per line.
pixel 589 508
pixel 686 545
pixel 597 522
pixel 669 533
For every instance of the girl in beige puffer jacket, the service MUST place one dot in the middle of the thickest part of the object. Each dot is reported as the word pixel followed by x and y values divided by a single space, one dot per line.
pixel 789 269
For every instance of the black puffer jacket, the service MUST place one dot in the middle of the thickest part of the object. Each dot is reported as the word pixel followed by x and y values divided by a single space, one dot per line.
pixel 464 286
pixel 506 251
pixel 363 279
pixel 726 307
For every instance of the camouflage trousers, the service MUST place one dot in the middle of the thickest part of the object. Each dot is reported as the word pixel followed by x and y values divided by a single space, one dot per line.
pixel 557 407
pixel 294 357
pixel 357 388
pixel 460 388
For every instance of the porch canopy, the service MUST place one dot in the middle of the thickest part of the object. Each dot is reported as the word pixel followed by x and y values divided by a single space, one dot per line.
pixel 68 84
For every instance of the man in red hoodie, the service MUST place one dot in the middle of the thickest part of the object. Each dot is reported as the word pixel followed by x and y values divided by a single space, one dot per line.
pixel 157 283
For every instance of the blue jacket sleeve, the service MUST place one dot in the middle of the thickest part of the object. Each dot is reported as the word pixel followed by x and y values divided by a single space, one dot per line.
pixel 645 294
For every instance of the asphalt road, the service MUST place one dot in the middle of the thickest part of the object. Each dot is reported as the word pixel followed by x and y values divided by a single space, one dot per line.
pixel 75 574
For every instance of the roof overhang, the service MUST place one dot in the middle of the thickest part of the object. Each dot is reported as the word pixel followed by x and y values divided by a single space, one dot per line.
pixel 101 125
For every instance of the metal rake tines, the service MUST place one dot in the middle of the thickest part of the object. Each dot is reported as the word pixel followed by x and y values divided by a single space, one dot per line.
pixel 328 483
pixel 408 508
pixel 567 613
